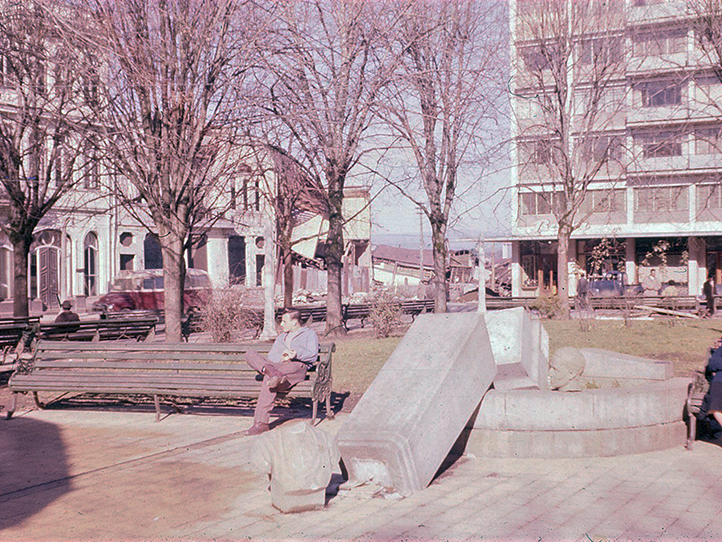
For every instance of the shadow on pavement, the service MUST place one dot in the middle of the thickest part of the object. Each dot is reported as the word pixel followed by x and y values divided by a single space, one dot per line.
pixel 33 468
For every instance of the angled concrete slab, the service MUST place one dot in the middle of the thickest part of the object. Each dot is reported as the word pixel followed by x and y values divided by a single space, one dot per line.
pixel 407 421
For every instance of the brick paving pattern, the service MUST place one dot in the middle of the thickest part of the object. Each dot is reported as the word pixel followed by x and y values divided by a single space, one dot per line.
pixel 69 474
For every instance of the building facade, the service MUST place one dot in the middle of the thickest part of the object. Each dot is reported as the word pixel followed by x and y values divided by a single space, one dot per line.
pixel 657 203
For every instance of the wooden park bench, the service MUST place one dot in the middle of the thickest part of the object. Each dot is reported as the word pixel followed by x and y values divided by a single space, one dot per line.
pixel 360 311
pixel 158 370
pixel 112 329
pixel 12 332
pixel 696 392
pixel 414 307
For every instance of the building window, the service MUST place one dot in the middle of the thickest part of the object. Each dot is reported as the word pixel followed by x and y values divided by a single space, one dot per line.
pixel 660 43
pixel 708 140
pixel 6 72
pixel 538 203
pixel 152 253
pixel 661 144
pixel 605 201
pixel 709 196
pixel 603 149
pixel 127 262
pixel 660 94
pixel 537 152
pixel 661 199
pixel 601 51
pixel 126 239
pixel 90 264
pixel 542 57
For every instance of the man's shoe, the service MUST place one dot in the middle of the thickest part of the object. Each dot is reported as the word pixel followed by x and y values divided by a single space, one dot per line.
pixel 256 429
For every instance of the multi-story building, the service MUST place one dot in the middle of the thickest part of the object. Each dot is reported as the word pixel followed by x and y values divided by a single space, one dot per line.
pixel 657 203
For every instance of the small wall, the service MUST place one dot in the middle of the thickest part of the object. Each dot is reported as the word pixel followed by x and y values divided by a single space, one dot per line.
pixel 588 423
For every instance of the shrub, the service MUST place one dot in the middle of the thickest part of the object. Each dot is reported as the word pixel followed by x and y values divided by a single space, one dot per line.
pixel 224 315
pixel 547 305
pixel 385 312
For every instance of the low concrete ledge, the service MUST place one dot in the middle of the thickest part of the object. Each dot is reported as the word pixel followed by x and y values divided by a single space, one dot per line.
pixel 611 365
pixel 594 422
pixel 570 444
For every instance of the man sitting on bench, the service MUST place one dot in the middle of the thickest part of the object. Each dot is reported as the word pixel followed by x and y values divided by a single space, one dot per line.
pixel 293 352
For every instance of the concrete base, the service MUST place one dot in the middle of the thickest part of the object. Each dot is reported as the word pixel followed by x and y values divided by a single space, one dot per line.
pixel 589 423
pixel 568 444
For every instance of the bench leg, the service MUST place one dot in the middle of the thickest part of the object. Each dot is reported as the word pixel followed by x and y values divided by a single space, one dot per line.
pixel 691 431
pixel 314 408
pixel 13 406
pixel 38 402
pixel 156 402
pixel 329 412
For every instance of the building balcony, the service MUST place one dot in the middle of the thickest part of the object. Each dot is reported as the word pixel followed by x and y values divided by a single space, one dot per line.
pixel 680 216
pixel 657 116
pixel 657 65
pixel 664 164
pixel 657 12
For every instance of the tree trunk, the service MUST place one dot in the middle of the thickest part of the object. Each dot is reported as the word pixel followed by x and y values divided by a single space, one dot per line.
pixel 287 278
pixel 563 238
pixel 334 264
pixel 438 242
pixel 21 251
pixel 174 281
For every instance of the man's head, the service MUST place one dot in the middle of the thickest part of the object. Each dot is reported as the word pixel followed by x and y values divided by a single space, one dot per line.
pixel 67 305
pixel 291 320
pixel 653 272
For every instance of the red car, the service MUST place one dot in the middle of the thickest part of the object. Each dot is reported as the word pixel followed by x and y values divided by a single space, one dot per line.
pixel 143 290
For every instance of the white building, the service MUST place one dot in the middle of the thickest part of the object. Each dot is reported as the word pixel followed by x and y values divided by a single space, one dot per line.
pixel 664 126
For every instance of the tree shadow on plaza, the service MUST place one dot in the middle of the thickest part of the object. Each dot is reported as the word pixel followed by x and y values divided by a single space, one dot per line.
pixel 34 468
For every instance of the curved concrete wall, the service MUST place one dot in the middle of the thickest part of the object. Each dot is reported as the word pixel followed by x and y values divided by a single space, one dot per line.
pixel 597 422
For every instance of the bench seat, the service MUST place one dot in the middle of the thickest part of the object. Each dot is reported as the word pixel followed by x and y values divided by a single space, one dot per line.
pixel 157 370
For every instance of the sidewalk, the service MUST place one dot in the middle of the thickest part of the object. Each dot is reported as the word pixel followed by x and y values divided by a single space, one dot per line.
pixel 81 474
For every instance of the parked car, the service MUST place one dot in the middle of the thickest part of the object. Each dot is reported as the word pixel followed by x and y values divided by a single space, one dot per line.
pixel 143 290
pixel 610 284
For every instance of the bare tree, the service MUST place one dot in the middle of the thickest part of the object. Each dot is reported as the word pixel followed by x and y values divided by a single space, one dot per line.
pixel 326 69
pixel 172 106
pixel 443 103
pixel 295 197
pixel 570 75
pixel 707 26
pixel 43 129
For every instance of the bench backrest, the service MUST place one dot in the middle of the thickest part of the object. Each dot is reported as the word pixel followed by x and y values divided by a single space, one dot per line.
pixel 153 355
pixel 98 329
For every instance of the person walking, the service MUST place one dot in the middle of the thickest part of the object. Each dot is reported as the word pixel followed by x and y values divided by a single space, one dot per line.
pixel 708 290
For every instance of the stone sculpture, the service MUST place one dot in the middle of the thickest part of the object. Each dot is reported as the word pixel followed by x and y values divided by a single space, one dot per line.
pixel 299 460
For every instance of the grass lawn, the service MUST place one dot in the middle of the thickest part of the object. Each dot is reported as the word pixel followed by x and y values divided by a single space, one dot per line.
pixel 685 342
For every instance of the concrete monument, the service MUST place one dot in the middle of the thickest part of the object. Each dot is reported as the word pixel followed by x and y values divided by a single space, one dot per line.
pixel 409 418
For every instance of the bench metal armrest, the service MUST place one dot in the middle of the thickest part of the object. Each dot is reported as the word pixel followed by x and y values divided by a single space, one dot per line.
pixel 324 378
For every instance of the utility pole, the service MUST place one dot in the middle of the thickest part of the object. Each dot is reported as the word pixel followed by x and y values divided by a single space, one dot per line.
pixel 421 249
pixel 482 276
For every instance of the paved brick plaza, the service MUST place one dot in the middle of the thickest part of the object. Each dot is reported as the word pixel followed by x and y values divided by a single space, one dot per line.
pixel 71 474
